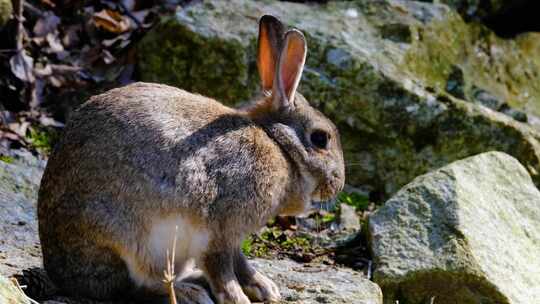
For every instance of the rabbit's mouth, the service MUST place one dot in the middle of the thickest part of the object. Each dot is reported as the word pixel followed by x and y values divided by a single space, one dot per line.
pixel 328 189
pixel 325 192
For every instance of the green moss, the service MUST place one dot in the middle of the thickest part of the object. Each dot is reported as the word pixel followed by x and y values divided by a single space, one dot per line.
pixel 6 159
pixel 328 218
pixel 42 140
pixel 247 246
pixel 505 68
pixel 354 199
pixel 174 55
pixel 445 286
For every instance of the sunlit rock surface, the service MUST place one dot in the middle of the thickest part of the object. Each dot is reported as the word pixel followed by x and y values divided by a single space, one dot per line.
pixel 466 233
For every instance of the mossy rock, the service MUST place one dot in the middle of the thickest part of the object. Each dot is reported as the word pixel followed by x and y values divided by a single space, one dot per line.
pixel 396 119
pixel 466 233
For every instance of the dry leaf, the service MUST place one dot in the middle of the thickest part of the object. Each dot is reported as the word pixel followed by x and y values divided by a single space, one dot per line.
pixel 111 21
pixel 22 66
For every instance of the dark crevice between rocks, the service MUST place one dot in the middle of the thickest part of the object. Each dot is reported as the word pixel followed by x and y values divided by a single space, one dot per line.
pixel 355 253
pixel 516 18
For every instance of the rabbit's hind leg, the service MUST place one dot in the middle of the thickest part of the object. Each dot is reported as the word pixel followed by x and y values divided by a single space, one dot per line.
pixel 88 271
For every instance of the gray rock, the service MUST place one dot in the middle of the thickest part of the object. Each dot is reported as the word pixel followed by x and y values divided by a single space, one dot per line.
pixel 20 175
pixel 466 233
pixel 487 99
pixel 315 284
pixel 348 219
pixel 379 69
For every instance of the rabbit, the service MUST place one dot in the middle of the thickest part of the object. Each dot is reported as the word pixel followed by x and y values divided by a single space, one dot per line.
pixel 141 165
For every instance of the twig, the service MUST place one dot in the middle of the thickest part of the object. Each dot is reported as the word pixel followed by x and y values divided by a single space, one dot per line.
pixel 19 38
pixel 168 274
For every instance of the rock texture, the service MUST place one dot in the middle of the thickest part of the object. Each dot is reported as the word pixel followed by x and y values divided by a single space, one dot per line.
pixel 20 175
pixel 313 284
pixel 411 86
pixel 466 233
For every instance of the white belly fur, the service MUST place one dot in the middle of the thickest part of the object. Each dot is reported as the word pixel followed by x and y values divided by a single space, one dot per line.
pixel 191 242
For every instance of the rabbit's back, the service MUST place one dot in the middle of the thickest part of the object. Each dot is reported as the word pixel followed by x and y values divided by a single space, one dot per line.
pixel 155 142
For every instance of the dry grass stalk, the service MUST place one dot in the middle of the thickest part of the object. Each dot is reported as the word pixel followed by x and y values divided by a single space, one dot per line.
pixel 20 289
pixel 168 274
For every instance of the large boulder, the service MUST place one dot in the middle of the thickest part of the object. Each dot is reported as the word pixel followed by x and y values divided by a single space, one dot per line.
pixel 410 85
pixel 466 233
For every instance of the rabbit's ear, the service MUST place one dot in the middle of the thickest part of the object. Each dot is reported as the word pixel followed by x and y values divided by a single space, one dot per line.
pixel 290 67
pixel 270 39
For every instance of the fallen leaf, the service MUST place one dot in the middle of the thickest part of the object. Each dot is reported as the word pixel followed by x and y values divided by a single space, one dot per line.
pixel 22 66
pixel 111 21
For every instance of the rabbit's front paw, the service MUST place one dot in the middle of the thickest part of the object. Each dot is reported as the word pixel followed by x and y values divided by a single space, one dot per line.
pixel 261 289
pixel 232 294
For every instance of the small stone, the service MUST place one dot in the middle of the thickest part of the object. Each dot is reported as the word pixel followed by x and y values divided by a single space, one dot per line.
pixel 348 219
pixel 487 99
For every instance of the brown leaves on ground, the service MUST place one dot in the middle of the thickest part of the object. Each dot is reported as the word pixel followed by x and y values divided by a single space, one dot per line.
pixel 63 47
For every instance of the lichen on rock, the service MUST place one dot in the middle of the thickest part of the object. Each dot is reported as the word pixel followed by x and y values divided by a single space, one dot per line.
pixel 466 233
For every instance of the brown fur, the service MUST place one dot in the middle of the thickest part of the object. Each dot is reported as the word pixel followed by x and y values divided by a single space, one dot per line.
pixel 145 152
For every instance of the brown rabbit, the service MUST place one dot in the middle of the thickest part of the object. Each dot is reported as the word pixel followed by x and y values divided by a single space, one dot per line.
pixel 138 161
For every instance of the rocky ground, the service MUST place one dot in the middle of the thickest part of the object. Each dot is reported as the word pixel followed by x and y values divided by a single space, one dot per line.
pixel 415 87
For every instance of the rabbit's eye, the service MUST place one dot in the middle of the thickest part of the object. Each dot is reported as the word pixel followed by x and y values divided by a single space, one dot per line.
pixel 319 139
